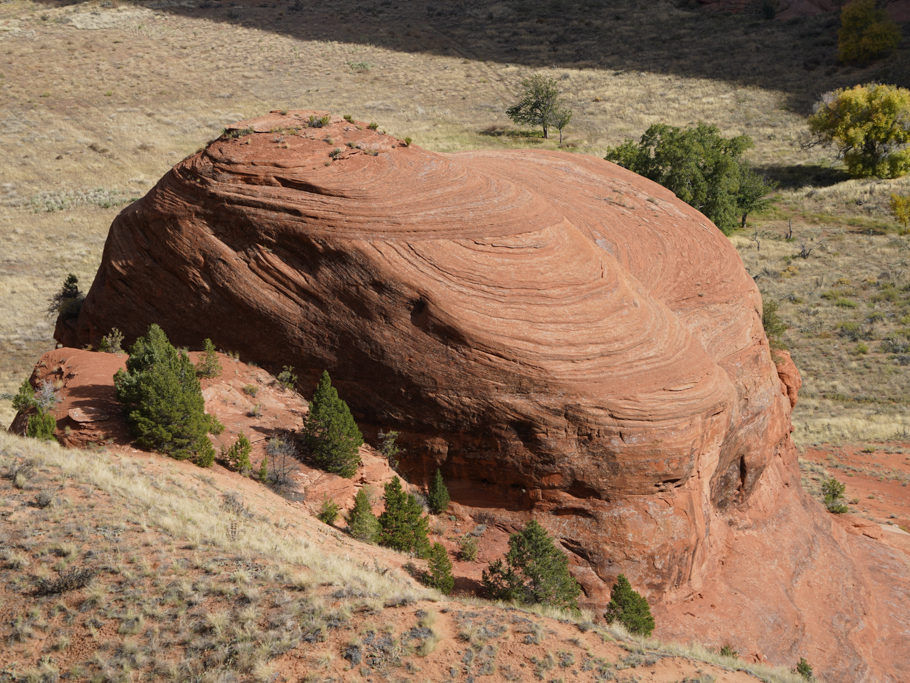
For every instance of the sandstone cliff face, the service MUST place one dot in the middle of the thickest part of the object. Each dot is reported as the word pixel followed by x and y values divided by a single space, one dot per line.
pixel 556 333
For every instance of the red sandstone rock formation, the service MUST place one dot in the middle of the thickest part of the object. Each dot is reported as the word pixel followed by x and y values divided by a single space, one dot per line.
pixel 556 333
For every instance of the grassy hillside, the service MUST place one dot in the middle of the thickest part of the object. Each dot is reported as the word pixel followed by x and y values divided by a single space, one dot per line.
pixel 129 566
pixel 99 99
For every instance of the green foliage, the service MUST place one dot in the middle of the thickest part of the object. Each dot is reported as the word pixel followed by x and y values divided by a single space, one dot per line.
pixel 438 495
pixel 534 571
pixel 112 342
pixel 439 567
pixel 328 513
pixel 467 548
pixel 330 433
pixel 237 457
pixel 728 651
pixel 319 122
pixel 362 523
pixel 866 33
pixel 870 125
pixel 629 608
pixel 163 401
pixel 900 207
pixel 540 105
pixel 68 301
pixel 803 669
pixel 833 495
pixel 402 524
pixel 389 448
pixel 208 365
pixel 774 326
pixel 286 378
pixel 24 398
pixel 41 426
pixel 703 169
pixel 264 470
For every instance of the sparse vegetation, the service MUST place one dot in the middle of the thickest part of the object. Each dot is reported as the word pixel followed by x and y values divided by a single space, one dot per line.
pixel 162 400
pixel 286 378
pixel 237 457
pixel 67 303
pixel 804 669
pixel 833 495
pixel 331 436
pixel 629 608
pixel 328 512
pixel 703 169
pixel 112 342
pixel 388 446
pixel 534 571
pixel 774 326
pixel 467 548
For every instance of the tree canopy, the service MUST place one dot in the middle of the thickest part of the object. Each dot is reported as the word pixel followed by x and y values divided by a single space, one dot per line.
pixel 703 168
pixel 870 125
pixel 540 105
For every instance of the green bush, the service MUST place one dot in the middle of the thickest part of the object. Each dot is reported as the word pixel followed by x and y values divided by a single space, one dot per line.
pixel 439 567
pixel 402 524
pixel 41 426
pixel 438 494
pixel 389 448
pixel 539 105
pixel 286 378
pixel 467 548
pixel 237 457
pixel 534 571
pixel 25 398
pixel 362 523
pixel 328 513
pixel 833 495
pixel 773 325
pixel 68 301
pixel 703 169
pixel 870 125
pixel 866 33
pixel 208 365
pixel 803 669
pixel 163 401
pixel 112 342
pixel 629 608
pixel 330 434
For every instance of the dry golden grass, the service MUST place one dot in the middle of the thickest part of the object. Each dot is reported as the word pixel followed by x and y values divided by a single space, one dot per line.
pixel 99 99
pixel 153 573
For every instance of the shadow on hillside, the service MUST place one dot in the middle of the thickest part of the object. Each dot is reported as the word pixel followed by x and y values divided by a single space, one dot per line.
pixel 803 175
pixel 796 56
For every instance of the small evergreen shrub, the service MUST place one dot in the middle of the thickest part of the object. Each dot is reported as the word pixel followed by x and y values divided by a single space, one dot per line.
pixel 833 495
pixel 68 301
pixel 208 365
pixel 41 426
pixel 362 523
pixel 534 571
pixel 330 434
pixel 774 326
pixel 163 401
pixel 803 669
pixel 438 495
pixel 629 608
pixel 25 398
pixel 402 524
pixel 389 448
pixel 328 513
pixel 112 342
pixel 439 567
pixel 263 475
pixel 237 457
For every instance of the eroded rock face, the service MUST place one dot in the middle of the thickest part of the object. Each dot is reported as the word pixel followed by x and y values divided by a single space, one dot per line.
pixel 553 331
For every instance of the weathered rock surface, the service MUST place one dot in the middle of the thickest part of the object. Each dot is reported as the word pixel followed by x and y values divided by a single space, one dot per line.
pixel 557 334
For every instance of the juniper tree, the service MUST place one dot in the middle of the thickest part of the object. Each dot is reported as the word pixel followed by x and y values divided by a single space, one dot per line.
pixel 330 434
pixel 438 494
pixel 162 400
pixel 402 524
pixel 439 567
pixel 534 571
pixel 629 608
pixel 362 523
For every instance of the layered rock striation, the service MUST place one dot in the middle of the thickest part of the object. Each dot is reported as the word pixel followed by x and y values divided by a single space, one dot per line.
pixel 553 331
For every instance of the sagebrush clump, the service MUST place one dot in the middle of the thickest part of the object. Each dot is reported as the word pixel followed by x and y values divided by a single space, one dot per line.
pixel 162 400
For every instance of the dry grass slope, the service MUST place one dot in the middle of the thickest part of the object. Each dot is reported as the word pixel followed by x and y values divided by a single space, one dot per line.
pixel 136 567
